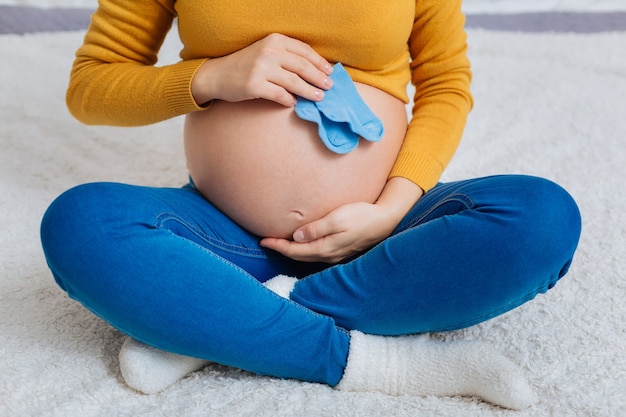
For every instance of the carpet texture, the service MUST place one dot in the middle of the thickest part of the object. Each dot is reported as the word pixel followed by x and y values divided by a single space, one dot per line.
pixel 547 104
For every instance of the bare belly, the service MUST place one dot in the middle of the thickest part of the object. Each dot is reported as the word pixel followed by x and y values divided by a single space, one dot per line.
pixel 268 170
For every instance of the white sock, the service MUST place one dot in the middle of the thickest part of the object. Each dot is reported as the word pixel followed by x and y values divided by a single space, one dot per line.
pixel 417 365
pixel 281 285
pixel 150 370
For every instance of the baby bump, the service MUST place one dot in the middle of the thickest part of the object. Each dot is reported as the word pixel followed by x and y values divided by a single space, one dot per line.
pixel 269 171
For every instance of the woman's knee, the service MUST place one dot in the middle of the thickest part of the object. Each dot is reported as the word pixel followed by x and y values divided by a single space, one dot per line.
pixel 71 214
pixel 533 225
pixel 59 216
pixel 70 226
pixel 528 209
pixel 547 230
pixel 552 210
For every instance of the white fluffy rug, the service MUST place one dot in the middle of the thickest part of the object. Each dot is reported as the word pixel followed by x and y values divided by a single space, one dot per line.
pixel 546 104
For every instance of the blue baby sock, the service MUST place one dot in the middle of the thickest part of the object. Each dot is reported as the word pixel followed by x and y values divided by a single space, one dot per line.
pixel 342 116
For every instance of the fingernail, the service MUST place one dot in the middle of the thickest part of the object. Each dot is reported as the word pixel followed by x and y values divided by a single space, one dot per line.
pixel 319 94
pixel 329 69
pixel 328 82
pixel 298 236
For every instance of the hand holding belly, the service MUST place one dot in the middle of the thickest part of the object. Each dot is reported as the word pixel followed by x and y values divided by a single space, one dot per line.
pixel 345 231
pixel 351 228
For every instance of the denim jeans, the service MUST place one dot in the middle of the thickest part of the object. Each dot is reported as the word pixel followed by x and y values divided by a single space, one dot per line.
pixel 164 266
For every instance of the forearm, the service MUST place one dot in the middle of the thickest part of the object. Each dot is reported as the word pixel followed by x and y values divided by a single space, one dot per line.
pixel 433 137
pixel 441 75
pixel 129 94
pixel 114 80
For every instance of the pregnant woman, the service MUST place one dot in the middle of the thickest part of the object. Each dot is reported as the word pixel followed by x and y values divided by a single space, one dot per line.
pixel 314 240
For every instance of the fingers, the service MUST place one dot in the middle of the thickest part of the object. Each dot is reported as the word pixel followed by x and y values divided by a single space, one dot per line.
pixel 294 69
pixel 315 251
pixel 300 78
pixel 319 241
pixel 308 64
pixel 316 230
pixel 300 48
pixel 283 87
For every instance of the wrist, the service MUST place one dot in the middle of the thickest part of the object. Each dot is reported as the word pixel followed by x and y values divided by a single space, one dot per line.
pixel 398 197
pixel 201 84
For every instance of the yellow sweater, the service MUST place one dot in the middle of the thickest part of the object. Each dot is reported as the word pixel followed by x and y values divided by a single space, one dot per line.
pixel 385 44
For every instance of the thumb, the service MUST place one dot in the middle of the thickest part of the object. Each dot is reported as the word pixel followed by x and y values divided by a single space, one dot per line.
pixel 315 230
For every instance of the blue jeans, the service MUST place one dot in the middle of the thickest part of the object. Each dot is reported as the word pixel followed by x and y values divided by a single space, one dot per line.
pixel 164 266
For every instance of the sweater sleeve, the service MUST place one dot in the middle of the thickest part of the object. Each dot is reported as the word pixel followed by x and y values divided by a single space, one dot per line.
pixel 114 80
pixel 441 76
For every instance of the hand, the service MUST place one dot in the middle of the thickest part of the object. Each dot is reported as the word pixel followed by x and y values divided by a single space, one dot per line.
pixel 275 68
pixel 343 232
pixel 350 229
